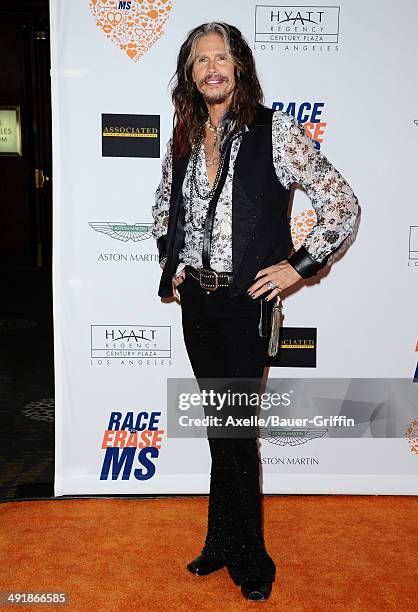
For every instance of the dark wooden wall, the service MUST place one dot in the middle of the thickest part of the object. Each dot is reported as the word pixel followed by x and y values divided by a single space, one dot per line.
pixel 26 211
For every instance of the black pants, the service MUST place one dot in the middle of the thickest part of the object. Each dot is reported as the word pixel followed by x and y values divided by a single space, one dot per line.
pixel 222 341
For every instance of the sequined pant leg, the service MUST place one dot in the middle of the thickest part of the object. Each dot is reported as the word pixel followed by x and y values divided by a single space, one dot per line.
pixel 221 336
pixel 235 531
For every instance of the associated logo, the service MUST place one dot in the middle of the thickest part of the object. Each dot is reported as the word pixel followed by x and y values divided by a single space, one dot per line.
pixel 130 135
pixel 129 436
pixel 411 435
pixel 297 348
pixel 309 115
pixel 122 231
pixel 413 245
pixel 291 436
pixel 296 28
pixel 133 26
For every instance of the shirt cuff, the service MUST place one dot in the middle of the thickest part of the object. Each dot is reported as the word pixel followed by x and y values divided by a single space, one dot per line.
pixel 303 262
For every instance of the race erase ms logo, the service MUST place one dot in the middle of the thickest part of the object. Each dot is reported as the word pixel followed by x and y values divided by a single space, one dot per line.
pixel 309 114
pixel 133 26
pixel 132 444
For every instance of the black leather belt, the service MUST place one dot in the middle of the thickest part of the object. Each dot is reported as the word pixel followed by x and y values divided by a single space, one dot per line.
pixel 210 279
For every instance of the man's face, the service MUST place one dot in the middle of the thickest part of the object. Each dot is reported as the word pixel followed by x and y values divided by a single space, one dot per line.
pixel 213 69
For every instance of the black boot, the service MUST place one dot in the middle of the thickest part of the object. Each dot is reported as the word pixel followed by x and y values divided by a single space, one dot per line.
pixel 257 591
pixel 202 566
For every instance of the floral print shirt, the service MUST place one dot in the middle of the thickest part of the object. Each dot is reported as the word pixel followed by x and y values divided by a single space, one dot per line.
pixel 295 159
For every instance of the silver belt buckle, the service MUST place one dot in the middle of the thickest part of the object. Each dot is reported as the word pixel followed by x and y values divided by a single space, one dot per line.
pixel 213 274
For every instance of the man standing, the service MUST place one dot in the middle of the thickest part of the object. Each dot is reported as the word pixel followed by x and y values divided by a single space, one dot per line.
pixel 221 225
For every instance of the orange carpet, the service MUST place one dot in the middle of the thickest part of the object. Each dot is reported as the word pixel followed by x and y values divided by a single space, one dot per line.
pixel 332 553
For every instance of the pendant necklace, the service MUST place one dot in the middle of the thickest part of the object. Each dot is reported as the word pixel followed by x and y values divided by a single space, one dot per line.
pixel 217 131
pixel 195 160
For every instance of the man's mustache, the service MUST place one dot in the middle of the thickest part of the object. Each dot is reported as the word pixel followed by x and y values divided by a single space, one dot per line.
pixel 213 76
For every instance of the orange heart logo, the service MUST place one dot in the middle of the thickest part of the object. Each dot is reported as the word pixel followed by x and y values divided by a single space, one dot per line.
pixel 301 225
pixel 134 26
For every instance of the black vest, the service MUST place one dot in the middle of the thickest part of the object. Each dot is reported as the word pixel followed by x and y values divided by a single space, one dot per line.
pixel 260 224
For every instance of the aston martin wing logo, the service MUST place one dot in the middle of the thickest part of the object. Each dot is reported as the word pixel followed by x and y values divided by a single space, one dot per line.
pixel 291 435
pixel 123 231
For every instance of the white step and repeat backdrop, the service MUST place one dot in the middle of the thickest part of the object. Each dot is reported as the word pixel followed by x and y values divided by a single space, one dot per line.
pixel 346 72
